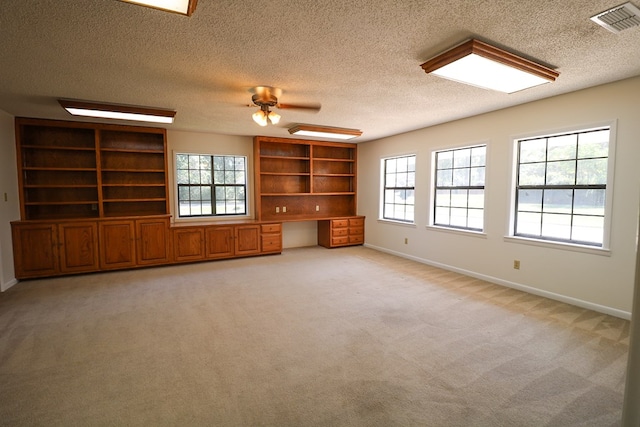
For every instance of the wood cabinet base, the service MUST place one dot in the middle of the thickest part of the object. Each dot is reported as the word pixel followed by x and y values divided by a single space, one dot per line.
pixel 337 232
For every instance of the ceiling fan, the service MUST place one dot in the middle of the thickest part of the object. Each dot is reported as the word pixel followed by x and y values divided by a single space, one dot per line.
pixel 266 97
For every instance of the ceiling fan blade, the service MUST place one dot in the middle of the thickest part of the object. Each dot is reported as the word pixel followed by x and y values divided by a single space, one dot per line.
pixel 312 108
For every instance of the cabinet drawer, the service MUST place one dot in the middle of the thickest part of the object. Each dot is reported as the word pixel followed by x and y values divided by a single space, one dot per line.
pixel 340 223
pixel 271 228
pixel 339 240
pixel 356 222
pixel 354 231
pixel 271 243
pixel 356 239
pixel 337 232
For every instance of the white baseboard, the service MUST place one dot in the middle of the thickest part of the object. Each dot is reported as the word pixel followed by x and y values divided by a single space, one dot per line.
pixel 7 285
pixel 524 288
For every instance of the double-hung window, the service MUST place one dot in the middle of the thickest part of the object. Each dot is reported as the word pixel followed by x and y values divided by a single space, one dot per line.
pixel 459 188
pixel 399 188
pixel 210 185
pixel 561 186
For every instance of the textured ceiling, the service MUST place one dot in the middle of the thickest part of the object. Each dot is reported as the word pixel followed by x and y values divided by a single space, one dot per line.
pixel 360 59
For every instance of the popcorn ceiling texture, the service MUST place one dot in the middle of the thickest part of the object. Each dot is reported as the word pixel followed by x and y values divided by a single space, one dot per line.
pixel 359 59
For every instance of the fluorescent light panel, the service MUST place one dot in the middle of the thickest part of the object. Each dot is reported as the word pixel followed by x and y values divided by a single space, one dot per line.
pixel 479 64
pixel 324 132
pixel 117 112
pixel 183 7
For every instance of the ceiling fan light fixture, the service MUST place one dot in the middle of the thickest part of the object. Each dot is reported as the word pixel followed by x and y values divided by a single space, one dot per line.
pixel 260 117
pixel 274 117
pixel 325 132
pixel 183 7
pixel 479 64
pixel 117 112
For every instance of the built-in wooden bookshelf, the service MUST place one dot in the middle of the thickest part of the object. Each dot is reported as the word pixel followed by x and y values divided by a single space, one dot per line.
pixel 304 180
pixel 86 170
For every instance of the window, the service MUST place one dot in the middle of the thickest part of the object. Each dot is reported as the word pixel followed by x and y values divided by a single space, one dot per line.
pixel 561 187
pixel 399 188
pixel 211 185
pixel 459 188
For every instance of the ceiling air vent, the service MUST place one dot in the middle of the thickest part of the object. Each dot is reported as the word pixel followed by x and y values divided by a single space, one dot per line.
pixel 618 18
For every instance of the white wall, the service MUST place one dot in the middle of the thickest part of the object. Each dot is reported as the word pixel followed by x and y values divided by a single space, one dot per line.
pixel 9 209
pixel 295 234
pixel 600 282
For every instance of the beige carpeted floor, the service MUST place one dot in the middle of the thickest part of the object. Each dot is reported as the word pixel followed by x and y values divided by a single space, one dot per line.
pixel 312 337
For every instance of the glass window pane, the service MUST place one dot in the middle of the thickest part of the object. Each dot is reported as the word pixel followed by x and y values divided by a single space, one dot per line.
pixel 411 163
pixel 401 179
pixel 593 144
pixel 401 164
pixel 458 217
pixel 442 216
pixel 205 162
pixel 196 208
pixel 533 150
pixel 443 198
pixel 444 178
pixel 556 225
pixel 194 176
pixel 529 223
pixel 459 198
pixel 182 161
pixel 390 166
pixel 194 193
pixel 184 209
pixel 476 199
pixel 182 176
pixel 558 201
pixel 205 193
pixel 194 162
pixel 561 173
pixel 205 177
pixel 589 202
pixel 562 147
pixel 477 176
pixel 530 200
pixel 462 158
pixel 444 160
pixel 218 163
pixel 588 229
pixel 183 193
pixel 476 219
pixel 531 174
pixel 478 156
pixel 411 179
pixel 592 171
pixel 461 177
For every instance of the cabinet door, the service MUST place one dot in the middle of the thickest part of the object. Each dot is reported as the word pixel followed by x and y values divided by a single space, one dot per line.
pixel 247 239
pixel 35 250
pixel 117 244
pixel 219 242
pixel 79 246
pixel 152 241
pixel 188 244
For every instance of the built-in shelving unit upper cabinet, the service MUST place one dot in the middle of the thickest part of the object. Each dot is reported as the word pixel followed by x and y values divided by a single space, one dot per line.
pixel 304 180
pixel 87 170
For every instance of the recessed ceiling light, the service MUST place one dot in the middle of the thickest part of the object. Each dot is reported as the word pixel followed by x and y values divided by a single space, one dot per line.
pixel 183 7
pixel 480 64
pixel 324 132
pixel 118 112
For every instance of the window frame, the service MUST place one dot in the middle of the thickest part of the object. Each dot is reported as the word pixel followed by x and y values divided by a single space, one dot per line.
pixel 384 188
pixel 435 188
pixel 212 186
pixel 575 245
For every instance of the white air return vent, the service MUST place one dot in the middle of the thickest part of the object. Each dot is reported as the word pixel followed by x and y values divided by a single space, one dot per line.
pixel 619 18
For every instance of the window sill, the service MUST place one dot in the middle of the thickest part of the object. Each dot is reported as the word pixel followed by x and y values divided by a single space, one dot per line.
pixel 558 245
pixel 460 232
pixel 392 222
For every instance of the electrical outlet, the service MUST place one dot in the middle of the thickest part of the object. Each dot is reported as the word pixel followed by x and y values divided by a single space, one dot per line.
pixel 5 198
pixel 406 240
pixel 516 264
pixel 284 209
pixel 277 209
pixel 317 208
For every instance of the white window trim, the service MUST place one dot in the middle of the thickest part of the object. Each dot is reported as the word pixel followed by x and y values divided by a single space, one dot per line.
pixel 608 210
pixel 432 193
pixel 176 218
pixel 381 217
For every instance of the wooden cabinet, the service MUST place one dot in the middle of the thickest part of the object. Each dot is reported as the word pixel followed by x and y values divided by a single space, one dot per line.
pixel 341 232
pixel 87 170
pixel 79 248
pixel 117 244
pixel 219 241
pixel 152 241
pixel 304 180
pixel 247 239
pixel 35 250
pixel 188 244
pixel 271 238
pixel 49 249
